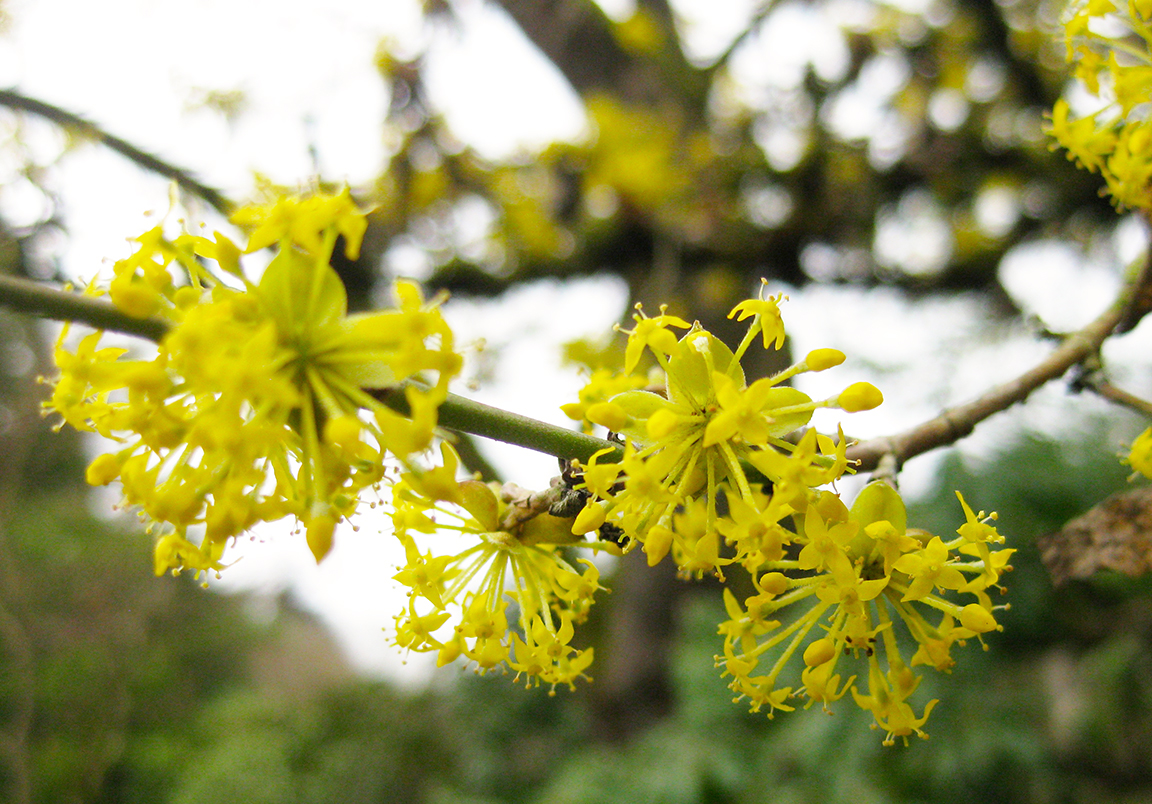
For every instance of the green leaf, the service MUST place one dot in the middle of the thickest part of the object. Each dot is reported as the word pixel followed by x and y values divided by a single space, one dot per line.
pixel 480 501
pixel 785 397
pixel 689 371
pixel 880 502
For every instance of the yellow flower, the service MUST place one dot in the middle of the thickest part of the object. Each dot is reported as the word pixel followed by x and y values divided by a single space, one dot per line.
pixel 1139 456
pixel 601 386
pixel 929 569
pixel 705 438
pixel 1114 139
pixel 846 573
pixel 497 559
pixel 304 222
pixel 251 407
pixel 651 333
pixel 767 319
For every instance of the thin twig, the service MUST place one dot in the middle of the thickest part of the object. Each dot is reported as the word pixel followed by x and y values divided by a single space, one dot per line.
pixel 470 416
pixel 73 121
pixel 1119 396
pixel 956 423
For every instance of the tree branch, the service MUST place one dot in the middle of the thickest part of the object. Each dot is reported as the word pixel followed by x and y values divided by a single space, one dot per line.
pixel 35 298
pixel 456 413
pixel 70 120
pixel 1119 396
pixel 956 423
pixel 469 416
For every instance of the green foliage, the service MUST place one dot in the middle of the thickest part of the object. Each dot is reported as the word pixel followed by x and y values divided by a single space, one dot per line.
pixel 89 634
pixel 142 693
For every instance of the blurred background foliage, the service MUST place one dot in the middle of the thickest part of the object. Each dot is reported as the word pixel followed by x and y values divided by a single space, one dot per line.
pixel 117 687
pixel 806 164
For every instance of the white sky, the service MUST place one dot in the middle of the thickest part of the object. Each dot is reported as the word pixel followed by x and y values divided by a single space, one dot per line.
pixel 135 66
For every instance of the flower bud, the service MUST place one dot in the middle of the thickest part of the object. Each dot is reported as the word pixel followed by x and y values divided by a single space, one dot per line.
pixel 590 518
pixel 608 414
pixel 774 583
pixel 136 299
pixel 821 359
pixel 976 618
pixel 661 423
pixel 186 298
pixel 860 396
pixel 819 652
pixel 320 531
pixel 103 470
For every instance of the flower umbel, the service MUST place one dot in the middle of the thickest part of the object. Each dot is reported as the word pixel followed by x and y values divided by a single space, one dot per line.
pixel 1109 46
pixel 858 577
pixel 714 476
pixel 256 404
pixel 468 594
pixel 698 440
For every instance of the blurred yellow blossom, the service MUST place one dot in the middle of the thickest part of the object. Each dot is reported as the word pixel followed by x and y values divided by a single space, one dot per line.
pixel 1112 42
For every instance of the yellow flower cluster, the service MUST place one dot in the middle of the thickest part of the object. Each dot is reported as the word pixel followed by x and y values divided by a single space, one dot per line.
pixel 1110 49
pixel 258 404
pixel 709 478
pixel 858 573
pixel 254 406
pixel 1139 456
pixel 458 604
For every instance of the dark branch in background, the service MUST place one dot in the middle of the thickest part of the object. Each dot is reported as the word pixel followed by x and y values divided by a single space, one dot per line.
pixel 86 128
pixel 577 37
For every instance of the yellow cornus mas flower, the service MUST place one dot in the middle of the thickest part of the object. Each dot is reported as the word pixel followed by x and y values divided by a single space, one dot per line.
pixel 259 404
pixel 859 576
pixel 1139 457
pixel 709 478
pixel 254 406
pixel 459 602
pixel 692 443
pixel 1109 46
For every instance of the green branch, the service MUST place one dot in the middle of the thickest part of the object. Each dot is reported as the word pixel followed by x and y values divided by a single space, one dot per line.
pixel 456 413
pixel 35 298
pixel 469 416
